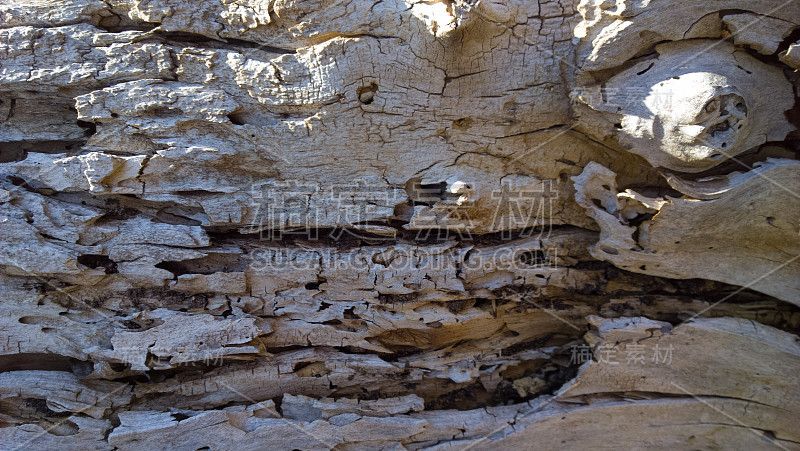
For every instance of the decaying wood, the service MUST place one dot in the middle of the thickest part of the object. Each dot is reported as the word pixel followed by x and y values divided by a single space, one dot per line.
pixel 361 224
pixel 667 243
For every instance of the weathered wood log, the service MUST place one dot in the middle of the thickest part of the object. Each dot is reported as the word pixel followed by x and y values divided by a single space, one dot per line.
pixel 399 224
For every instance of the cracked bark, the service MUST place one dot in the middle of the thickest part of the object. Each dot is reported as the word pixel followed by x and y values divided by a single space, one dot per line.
pixel 399 224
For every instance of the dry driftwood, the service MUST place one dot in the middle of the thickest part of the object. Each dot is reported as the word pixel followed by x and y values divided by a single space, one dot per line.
pixel 240 224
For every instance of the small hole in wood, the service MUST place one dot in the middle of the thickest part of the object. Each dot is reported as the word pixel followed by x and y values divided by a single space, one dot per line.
pixel 366 94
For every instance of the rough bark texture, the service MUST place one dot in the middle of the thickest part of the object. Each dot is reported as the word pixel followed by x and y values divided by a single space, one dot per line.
pixel 399 224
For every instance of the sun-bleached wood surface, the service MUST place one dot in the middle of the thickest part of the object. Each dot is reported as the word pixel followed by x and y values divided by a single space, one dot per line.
pixel 397 224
